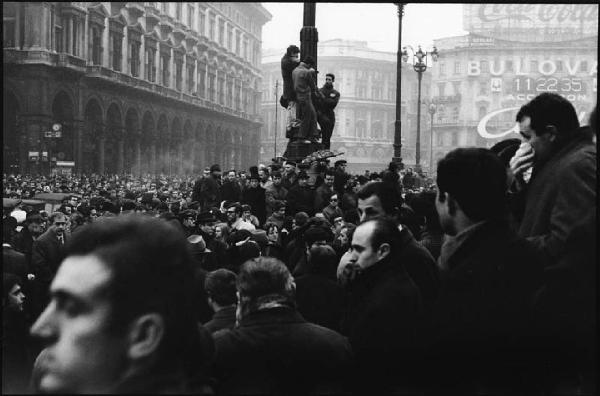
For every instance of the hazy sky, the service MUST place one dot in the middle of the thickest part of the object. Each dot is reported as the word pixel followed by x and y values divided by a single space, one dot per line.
pixel 375 23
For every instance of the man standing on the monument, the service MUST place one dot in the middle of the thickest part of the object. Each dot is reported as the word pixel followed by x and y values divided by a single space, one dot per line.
pixel 325 107
pixel 290 60
pixel 305 86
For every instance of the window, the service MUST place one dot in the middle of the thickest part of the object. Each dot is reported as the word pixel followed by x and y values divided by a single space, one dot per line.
pixel 238 102
pixel 211 31
pixel 456 86
pixel 483 87
pixel 221 32
pixel 201 23
pixel 58 35
pixel 485 66
pixel 221 89
pixel 212 94
pixel 245 49
pixel 96 45
pixel 237 42
pixel 441 87
pixel 190 75
pixel 178 71
pixel 201 79
pixel 115 53
pixel 134 58
pixel 559 65
pixel 361 91
pixel 190 16
pixel 164 64
pixel 150 64
pixel 454 139
pixel 8 25
pixel 229 93
pixel 230 38
pixel 178 12
pixel 456 67
pixel 533 66
pixel 75 38
pixel 509 66
pixel 442 68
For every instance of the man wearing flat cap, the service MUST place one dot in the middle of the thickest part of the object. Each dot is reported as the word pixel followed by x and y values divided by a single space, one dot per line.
pixel 301 197
pixel 290 177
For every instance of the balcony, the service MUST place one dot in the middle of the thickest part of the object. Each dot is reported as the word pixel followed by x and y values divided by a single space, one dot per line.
pixel 447 98
pixel 18 56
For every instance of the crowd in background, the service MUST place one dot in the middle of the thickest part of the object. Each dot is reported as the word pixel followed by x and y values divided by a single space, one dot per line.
pixel 313 280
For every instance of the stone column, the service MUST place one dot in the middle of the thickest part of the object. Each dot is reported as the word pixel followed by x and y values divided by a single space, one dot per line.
pixel 142 58
pixel 18 27
pixel 125 51
pixel 195 77
pixel 105 43
pixel 70 37
pixel 184 74
pixel 33 28
pixel 86 39
pixel 158 77
pixel 172 69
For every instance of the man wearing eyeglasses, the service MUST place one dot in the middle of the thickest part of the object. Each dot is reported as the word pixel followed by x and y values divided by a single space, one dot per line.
pixel 47 254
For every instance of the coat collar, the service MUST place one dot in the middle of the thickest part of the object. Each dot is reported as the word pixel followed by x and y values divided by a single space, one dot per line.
pixel 279 315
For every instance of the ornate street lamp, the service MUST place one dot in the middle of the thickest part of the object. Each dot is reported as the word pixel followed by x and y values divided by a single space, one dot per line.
pixel 419 65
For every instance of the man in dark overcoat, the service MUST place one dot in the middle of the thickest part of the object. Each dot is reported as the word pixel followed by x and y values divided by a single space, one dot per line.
pixel 325 114
pixel 481 320
pixel 254 196
pixel 274 350
pixel 301 198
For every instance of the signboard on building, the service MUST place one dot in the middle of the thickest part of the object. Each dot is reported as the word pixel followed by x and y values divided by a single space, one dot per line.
pixel 64 168
pixel 532 22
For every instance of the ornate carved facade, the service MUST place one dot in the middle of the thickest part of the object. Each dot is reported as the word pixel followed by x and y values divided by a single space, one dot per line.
pixel 140 87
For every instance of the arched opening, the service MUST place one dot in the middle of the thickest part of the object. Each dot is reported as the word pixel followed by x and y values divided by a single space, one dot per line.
pixel 10 135
pixel 92 130
pixel 114 134
pixel 61 148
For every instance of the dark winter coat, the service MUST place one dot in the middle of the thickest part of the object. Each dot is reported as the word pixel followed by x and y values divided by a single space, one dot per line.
pixel 276 351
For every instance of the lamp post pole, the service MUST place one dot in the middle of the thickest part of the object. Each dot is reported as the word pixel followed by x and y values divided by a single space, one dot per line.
pixel 398 124
pixel 432 110
pixel 418 143
pixel 419 65
pixel 309 37
pixel 276 108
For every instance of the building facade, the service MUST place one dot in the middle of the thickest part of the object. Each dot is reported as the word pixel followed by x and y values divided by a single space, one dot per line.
pixel 366 112
pixel 510 55
pixel 131 87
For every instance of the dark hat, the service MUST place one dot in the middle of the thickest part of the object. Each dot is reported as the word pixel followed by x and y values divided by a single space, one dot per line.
pixel 188 213
pixel 340 162
pixel 303 175
pixel 254 176
pixel 215 168
pixel 206 217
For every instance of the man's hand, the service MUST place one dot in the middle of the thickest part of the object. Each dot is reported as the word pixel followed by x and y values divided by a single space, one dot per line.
pixel 522 160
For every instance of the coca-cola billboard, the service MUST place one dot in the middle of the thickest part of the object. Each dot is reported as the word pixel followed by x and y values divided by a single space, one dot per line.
pixel 532 22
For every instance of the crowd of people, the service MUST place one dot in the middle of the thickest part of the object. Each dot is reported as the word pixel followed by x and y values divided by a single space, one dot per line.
pixel 283 281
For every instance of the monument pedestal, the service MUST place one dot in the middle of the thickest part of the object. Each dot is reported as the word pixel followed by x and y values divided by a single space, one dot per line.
pixel 297 150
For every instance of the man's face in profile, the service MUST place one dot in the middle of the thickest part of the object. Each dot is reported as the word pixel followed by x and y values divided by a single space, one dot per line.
pixel 81 354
